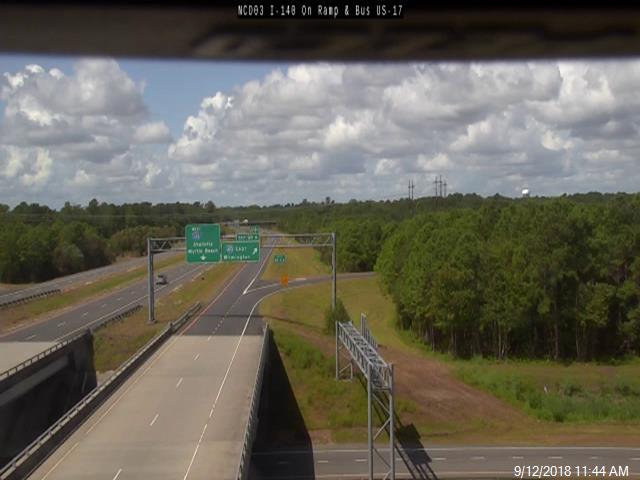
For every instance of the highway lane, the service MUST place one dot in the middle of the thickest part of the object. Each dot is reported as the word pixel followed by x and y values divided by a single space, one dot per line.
pixel 182 415
pixel 82 277
pixel 443 462
pixel 29 340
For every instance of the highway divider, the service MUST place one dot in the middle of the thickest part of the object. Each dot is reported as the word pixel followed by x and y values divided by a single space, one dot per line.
pixel 23 464
pixel 39 356
pixel 252 421
pixel 29 298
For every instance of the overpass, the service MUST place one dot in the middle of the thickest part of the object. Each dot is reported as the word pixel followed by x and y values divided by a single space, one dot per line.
pixel 183 414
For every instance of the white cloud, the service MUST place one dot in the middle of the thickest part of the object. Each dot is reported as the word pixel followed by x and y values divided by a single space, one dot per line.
pixel 154 132
pixel 313 130
pixel 71 129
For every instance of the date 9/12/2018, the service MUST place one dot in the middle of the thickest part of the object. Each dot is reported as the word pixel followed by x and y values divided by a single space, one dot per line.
pixel 567 471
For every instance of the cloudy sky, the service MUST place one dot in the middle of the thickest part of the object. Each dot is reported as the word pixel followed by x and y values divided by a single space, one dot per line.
pixel 78 128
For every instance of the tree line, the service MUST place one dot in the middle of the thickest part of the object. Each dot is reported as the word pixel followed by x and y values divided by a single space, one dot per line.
pixel 556 279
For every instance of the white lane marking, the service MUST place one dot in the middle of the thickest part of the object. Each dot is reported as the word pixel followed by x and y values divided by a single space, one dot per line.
pixel 209 338
pixel 117 474
pixel 194 453
pixel 132 385
pixel 282 462
pixel 118 299
pixel 196 357
pixel 62 324
pixel 438 459
pixel 84 327
pixel 85 314
pixel 594 457
pixel 224 380
pixel 635 459
pixel 266 257
pixel 554 458
pixel 103 305
pixel 323 461
pixel 60 461
pixel 439 449
pixel 179 382
pixel 89 282
pixel 154 420
pixel 477 458
pixel 31 336
pixel 211 412
pixel 360 460
pixel 517 457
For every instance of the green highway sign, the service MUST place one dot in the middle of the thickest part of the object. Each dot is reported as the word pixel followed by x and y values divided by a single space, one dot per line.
pixel 247 237
pixel 240 251
pixel 255 229
pixel 279 258
pixel 203 243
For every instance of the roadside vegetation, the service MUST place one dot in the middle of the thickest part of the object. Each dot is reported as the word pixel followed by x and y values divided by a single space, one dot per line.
pixel 299 262
pixel 447 399
pixel 30 312
pixel 119 340
pixel 578 392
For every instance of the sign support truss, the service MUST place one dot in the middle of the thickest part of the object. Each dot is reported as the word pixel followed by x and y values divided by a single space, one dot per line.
pixel 362 350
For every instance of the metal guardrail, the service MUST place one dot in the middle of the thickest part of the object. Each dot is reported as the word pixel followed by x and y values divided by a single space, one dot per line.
pixel 38 356
pixel 28 298
pixel 118 316
pixel 22 365
pixel 30 457
pixel 252 421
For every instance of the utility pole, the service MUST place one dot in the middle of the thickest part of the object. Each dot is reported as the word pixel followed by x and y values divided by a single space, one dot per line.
pixel 445 188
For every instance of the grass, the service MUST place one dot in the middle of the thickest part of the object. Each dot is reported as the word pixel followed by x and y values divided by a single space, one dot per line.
pixel 119 340
pixel 300 262
pixel 580 392
pixel 585 404
pixel 29 312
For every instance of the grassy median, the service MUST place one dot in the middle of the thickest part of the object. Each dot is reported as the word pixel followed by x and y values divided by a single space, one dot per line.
pixel 29 312
pixel 119 340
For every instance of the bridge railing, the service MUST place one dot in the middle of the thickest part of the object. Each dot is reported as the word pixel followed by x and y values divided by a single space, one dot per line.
pixel 29 361
pixel 28 298
pixel 22 464
pixel 252 421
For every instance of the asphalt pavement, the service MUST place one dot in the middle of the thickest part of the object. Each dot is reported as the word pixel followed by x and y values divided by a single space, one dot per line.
pixel 183 414
pixel 81 277
pixel 26 341
pixel 450 462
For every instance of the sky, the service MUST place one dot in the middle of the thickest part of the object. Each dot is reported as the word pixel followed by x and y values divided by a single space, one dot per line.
pixel 123 130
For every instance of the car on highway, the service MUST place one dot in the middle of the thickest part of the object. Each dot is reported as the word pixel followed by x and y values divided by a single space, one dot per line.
pixel 161 279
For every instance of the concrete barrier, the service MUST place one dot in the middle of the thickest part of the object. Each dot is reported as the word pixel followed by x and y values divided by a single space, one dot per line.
pixel 30 458
pixel 252 420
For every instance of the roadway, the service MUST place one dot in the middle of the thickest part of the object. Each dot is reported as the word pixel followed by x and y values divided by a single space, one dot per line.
pixel 26 341
pixel 183 414
pixel 90 276
pixel 443 462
